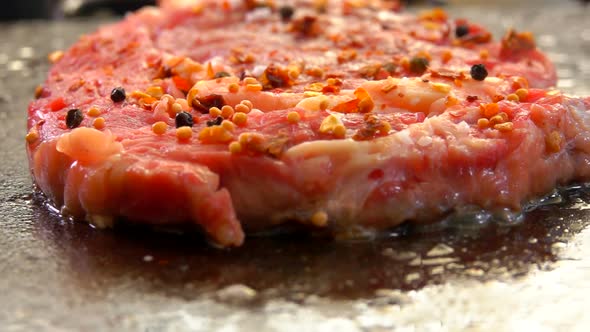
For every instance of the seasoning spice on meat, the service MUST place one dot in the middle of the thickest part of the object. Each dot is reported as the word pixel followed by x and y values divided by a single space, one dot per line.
pixel 183 119
pixel 203 104
pixel 74 118
pixel 118 94
pixel 479 72
pixel 310 114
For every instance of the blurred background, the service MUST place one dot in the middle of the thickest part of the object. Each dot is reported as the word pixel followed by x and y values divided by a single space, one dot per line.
pixel 56 9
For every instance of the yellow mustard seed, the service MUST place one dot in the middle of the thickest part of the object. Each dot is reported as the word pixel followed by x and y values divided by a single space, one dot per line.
pixel 155 91
pixel 32 136
pixel 496 119
pixel 293 117
pixel 93 111
pixel 522 94
pixel 99 123
pixel 339 131
pixel 333 125
pixel 159 128
pixel 504 116
pixel 233 87
pixel 168 99
pixel 176 108
pixel 242 108
pixel 483 123
pixel 215 134
pixel 228 125
pixel 319 219
pixel 366 105
pixel 250 80
pixel 240 118
pixel 247 103
pixel 214 112
pixel 235 147
pixel 504 127
pixel 513 97
pixel 253 87
pixel 315 72
pixel 491 109
pixel 227 111
pixel 184 133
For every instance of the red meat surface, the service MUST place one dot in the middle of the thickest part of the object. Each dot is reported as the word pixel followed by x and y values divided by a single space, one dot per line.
pixel 341 118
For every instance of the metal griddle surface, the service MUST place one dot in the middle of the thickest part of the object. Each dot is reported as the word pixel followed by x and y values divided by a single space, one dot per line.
pixel 59 275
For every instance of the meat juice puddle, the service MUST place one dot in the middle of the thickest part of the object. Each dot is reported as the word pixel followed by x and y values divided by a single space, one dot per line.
pixel 295 265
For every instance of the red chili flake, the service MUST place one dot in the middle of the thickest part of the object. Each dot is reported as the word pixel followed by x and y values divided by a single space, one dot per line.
pixel 514 42
pixel 331 89
pixel 350 106
pixel 181 83
pixel 275 77
pixel 472 98
pixel 57 104
pixel 372 126
pixel 306 26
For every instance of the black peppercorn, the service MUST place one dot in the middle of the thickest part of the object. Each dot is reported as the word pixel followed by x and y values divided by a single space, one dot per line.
pixel 74 118
pixel 479 72
pixel 461 30
pixel 418 65
pixel 286 13
pixel 118 94
pixel 183 119
pixel 215 122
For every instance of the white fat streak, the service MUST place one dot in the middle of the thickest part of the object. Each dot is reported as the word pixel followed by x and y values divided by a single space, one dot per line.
pixel 385 15
pixel 258 70
pixel 258 14
pixel 404 137
pixel 326 147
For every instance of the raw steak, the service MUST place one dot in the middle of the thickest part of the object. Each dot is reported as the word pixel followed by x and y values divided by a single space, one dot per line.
pixel 236 115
